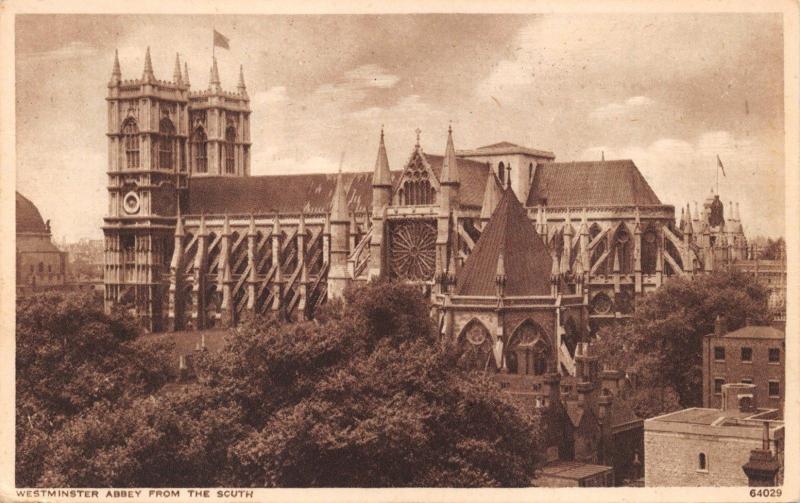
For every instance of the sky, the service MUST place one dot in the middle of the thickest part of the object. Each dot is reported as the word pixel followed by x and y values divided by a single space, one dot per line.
pixel 670 91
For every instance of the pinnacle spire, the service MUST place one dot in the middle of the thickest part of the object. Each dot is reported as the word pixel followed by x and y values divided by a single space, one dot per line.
pixel 241 87
pixel 116 73
pixel 176 74
pixel 213 81
pixel 186 73
pixel 381 175
pixel 449 163
pixel 491 196
pixel 148 67
pixel 339 212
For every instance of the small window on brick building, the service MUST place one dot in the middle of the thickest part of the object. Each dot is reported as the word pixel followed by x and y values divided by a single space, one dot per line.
pixel 701 462
pixel 718 382
pixel 747 354
pixel 774 355
pixel 719 353
pixel 774 389
pixel 747 381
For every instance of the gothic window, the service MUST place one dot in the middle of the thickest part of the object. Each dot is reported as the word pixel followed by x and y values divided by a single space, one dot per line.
pixel 623 249
pixel 476 348
pixel 165 144
pixel 199 146
pixel 501 173
pixel 417 188
pixel 412 250
pixel 649 251
pixel 701 461
pixel 130 139
pixel 528 351
pixel 230 150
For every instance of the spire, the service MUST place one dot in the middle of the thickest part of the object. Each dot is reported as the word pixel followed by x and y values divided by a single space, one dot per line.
pixel 381 176
pixel 568 229
pixel 185 73
pixel 301 224
pixel 202 231
pixel 148 67
pixel 738 218
pixel 179 225
pixel 116 73
pixel 584 228
pixel 213 81
pixel 491 196
pixel 226 226
pixel 339 212
pixel 176 74
pixel 251 231
pixel 449 163
pixel 241 87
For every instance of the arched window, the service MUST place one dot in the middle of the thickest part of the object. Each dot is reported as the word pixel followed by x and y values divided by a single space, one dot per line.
pixel 417 192
pixel 623 249
pixel 528 351
pixel 649 251
pixel 130 140
pixel 701 461
pixel 165 144
pixel 199 145
pixel 476 348
pixel 501 173
pixel 230 150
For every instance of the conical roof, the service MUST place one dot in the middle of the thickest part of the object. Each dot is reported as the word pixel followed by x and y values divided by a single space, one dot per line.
pixel 526 260
pixel 450 163
pixel 381 176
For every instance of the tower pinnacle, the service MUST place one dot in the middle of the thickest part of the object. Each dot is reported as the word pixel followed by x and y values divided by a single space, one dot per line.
pixel 176 74
pixel 116 73
pixel 147 75
pixel 339 209
pixel 381 176
pixel 241 87
pixel 449 163
pixel 213 81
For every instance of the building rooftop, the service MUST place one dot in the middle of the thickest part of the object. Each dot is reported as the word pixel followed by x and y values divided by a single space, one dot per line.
pixel 756 332
pixel 717 422
pixel 590 183
pixel 505 148
pixel 28 217
pixel 573 470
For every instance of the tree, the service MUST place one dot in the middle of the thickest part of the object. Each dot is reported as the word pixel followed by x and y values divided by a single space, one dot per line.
pixel 662 344
pixel 365 395
pixel 70 356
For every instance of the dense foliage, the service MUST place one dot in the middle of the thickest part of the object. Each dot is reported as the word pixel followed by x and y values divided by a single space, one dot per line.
pixel 662 344
pixel 365 395
pixel 71 357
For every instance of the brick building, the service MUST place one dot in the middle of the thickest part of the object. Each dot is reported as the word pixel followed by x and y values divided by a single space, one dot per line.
pixel 753 354
pixel 710 447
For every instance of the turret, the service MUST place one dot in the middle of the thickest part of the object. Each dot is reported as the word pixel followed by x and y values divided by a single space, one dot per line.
pixel 213 82
pixel 450 181
pixel 339 223
pixel 186 74
pixel 176 73
pixel 240 87
pixel 147 75
pixel 116 73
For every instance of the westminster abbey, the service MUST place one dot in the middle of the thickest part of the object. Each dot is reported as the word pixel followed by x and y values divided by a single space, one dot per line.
pixel 521 255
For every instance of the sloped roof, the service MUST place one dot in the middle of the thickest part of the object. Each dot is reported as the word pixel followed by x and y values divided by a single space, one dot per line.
pixel 309 193
pixel 592 183
pixel 526 260
pixel 28 217
pixel 471 175
pixel 756 332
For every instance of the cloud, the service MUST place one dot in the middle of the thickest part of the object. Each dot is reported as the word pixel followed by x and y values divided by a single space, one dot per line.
pixel 371 76
pixel 615 109
pixel 75 49
pixel 275 94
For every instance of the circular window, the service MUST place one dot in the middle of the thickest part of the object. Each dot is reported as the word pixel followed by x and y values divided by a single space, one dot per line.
pixel 476 335
pixel 131 203
pixel 601 304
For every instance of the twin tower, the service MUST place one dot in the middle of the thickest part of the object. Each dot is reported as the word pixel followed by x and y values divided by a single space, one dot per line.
pixel 161 133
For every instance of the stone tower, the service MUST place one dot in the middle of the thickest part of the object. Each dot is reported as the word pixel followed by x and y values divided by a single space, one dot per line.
pixel 219 129
pixel 147 132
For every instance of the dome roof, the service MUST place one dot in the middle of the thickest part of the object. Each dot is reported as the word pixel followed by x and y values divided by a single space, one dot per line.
pixel 28 217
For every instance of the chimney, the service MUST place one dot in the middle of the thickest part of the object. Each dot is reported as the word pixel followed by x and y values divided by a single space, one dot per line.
pixel 720 326
pixel 763 466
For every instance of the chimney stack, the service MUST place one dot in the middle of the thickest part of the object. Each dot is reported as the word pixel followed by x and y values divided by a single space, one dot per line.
pixel 720 327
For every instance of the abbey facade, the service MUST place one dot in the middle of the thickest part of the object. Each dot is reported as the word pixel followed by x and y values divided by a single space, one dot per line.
pixel 193 241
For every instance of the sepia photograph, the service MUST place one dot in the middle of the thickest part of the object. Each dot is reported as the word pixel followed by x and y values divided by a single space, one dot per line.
pixel 522 246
